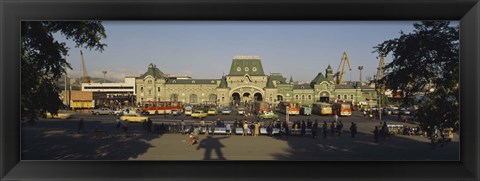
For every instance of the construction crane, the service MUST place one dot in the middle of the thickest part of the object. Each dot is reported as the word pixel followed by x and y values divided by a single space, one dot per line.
pixel 339 73
pixel 85 77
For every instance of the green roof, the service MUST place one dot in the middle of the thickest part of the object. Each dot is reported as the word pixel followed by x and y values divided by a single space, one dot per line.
pixel 275 77
pixel 318 79
pixel 223 83
pixel 154 72
pixel 192 81
pixel 302 86
pixel 250 65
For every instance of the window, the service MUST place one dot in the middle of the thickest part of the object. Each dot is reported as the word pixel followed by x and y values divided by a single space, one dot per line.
pixel 309 97
pixel 141 89
pixel 174 97
pixel 303 97
pixel 246 69
pixel 279 97
pixel 158 89
pixel 296 97
pixel 339 97
pixel 345 97
pixel 149 92
pixel 239 69
pixel 193 98
pixel 254 69
pixel 351 96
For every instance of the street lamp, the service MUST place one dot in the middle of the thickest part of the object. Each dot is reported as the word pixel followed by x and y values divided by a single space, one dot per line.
pixel 104 75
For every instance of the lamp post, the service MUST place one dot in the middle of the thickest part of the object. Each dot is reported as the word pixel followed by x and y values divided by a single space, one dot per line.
pixel 104 75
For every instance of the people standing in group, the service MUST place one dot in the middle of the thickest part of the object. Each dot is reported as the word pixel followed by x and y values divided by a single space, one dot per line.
pixel 245 128
pixel 353 129
pixel 80 126
pixel 252 128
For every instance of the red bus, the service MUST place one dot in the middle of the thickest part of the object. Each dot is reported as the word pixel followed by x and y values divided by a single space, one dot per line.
pixel 342 108
pixel 293 108
pixel 161 107
pixel 261 107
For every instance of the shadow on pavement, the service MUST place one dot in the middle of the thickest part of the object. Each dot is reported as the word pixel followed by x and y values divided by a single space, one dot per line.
pixel 211 144
pixel 58 140
pixel 363 147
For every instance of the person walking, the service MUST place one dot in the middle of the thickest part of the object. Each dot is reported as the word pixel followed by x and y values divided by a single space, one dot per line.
pixel 386 132
pixel 332 128
pixel 228 129
pixel 117 123
pixel 286 129
pixel 353 129
pixel 375 134
pixel 182 127
pixel 303 128
pixel 212 127
pixel 252 129
pixel 125 126
pixel 80 126
pixel 339 128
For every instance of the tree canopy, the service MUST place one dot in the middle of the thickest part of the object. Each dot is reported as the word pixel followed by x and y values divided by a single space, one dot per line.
pixel 426 63
pixel 43 60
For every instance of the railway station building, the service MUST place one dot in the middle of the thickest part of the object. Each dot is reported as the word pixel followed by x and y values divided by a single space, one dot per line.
pixel 247 82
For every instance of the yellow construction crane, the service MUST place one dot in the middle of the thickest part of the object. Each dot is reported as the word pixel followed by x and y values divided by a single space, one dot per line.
pixel 339 74
pixel 85 77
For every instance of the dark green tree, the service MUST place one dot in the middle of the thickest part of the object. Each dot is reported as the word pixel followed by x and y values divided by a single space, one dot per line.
pixel 43 60
pixel 426 62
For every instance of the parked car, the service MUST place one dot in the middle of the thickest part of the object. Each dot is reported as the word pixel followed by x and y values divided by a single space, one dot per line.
pixel 226 111
pixel 104 111
pixel 212 111
pixel 176 112
pixel 188 112
pixel 199 114
pixel 124 112
pixel 241 111
pixel 133 118
pixel 268 115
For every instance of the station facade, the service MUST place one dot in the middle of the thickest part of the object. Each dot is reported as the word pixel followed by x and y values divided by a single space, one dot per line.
pixel 247 82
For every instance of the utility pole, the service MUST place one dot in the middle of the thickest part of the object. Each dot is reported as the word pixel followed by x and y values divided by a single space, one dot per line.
pixel 65 102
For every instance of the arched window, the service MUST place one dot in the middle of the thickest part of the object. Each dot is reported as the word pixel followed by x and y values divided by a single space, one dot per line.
pixel 309 97
pixel 193 98
pixel 303 97
pixel 351 96
pixel 212 97
pixel 174 97
pixel 339 97
pixel 158 89
pixel 141 89
pixel 345 97
pixel 296 97
pixel 279 98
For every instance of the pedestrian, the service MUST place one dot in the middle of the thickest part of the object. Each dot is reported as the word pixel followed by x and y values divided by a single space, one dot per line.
pixel 386 132
pixel 332 128
pixel 324 129
pixel 125 126
pixel 80 126
pixel 257 129
pixel 364 113
pixel 285 126
pixel 252 128
pixel 375 134
pixel 303 129
pixel 182 127
pixel 353 129
pixel 339 128
pixel 149 125
pixel 117 123
pixel 245 128
pixel 212 128
pixel 314 129
pixel 228 129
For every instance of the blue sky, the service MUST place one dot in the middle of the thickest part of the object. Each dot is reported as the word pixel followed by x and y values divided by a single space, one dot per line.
pixel 204 49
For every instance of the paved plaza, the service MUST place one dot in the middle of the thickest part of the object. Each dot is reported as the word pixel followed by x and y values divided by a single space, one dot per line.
pixel 58 140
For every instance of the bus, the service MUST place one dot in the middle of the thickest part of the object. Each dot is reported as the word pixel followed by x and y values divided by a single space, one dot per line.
pixel 261 107
pixel 161 107
pixel 322 108
pixel 342 108
pixel 293 108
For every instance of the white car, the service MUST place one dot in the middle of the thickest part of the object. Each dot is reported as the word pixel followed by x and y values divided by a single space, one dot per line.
pixel 226 111
pixel 188 112
pixel 123 112
pixel 241 111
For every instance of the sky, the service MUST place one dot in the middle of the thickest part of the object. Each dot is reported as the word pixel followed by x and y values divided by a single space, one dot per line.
pixel 205 49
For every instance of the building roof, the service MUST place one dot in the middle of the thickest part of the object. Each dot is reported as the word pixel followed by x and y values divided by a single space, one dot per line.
pixel 192 81
pixel 154 72
pixel 302 86
pixel 275 77
pixel 318 79
pixel 250 65
pixel 223 82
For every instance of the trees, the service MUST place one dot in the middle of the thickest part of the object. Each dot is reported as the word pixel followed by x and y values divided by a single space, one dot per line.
pixel 426 62
pixel 43 62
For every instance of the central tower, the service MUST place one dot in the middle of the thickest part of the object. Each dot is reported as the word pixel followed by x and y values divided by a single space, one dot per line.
pixel 246 79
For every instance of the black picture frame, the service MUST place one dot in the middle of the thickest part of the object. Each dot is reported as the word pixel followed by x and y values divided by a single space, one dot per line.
pixel 12 12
